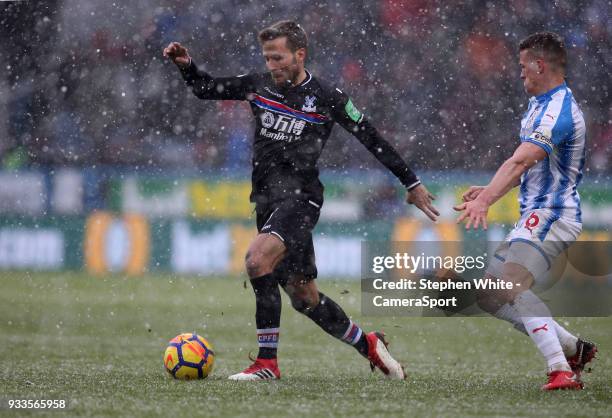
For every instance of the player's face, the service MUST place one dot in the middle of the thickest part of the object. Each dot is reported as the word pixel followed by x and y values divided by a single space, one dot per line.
pixel 284 64
pixel 531 72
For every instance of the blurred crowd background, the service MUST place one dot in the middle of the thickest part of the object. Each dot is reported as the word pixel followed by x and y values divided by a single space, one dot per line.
pixel 84 83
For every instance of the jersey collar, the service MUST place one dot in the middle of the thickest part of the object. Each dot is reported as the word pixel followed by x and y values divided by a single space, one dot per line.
pixel 288 87
pixel 306 80
pixel 546 96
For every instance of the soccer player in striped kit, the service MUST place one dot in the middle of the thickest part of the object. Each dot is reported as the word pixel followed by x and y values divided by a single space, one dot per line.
pixel 547 165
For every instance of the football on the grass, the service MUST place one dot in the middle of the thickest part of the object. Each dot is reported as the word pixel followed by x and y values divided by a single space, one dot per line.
pixel 189 356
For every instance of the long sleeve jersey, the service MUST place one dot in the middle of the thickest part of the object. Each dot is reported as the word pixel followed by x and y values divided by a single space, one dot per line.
pixel 293 124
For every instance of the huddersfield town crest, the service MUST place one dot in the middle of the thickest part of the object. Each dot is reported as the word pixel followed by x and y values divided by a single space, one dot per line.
pixel 309 105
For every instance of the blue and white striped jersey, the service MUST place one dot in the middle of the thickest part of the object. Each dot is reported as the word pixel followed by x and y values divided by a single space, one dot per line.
pixel 554 122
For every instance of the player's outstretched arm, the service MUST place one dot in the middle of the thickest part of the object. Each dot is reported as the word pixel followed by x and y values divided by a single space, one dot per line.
pixel 351 119
pixel 417 193
pixel 204 85
pixel 507 176
pixel 473 192
pixel 423 199
pixel 178 54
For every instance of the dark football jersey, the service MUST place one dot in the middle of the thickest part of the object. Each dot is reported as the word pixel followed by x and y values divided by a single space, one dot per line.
pixel 293 123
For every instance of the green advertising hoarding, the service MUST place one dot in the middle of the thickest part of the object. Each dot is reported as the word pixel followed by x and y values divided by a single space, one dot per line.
pixel 345 199
pixel 131 244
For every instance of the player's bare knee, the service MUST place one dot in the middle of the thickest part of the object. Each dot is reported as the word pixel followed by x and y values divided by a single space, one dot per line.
pixel 256 265
pixel 251 264
pixel 263 255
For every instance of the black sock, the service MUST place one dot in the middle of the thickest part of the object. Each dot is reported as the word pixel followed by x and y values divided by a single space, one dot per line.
pixel 267 314
pixel 330 316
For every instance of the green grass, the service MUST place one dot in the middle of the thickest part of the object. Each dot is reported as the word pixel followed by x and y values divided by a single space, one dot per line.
pixel 98 343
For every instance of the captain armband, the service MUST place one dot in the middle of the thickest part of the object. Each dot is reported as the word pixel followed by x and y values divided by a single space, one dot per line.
pixel 542 136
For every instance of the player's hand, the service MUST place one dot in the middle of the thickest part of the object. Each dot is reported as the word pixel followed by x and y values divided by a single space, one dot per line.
pixel 475 212
pixel 472 193
pixel 422 199
pixel 178 54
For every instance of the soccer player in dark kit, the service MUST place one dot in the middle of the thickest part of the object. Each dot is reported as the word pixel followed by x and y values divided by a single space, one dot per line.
pixel 294 115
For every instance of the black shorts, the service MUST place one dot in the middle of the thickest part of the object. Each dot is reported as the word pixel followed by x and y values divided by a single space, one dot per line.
pixel 292 221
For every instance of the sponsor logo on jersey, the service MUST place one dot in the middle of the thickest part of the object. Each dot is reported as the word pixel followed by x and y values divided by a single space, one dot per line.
pixel 281 127
pixel 309 104
pixel 280 108
pixel 289 125
pixel 282 123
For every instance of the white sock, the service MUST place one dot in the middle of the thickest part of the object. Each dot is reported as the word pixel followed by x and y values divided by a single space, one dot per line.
pixel 568 341
pixel 541 328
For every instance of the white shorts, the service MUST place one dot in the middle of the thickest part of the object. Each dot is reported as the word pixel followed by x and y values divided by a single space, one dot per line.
pixel 535 242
